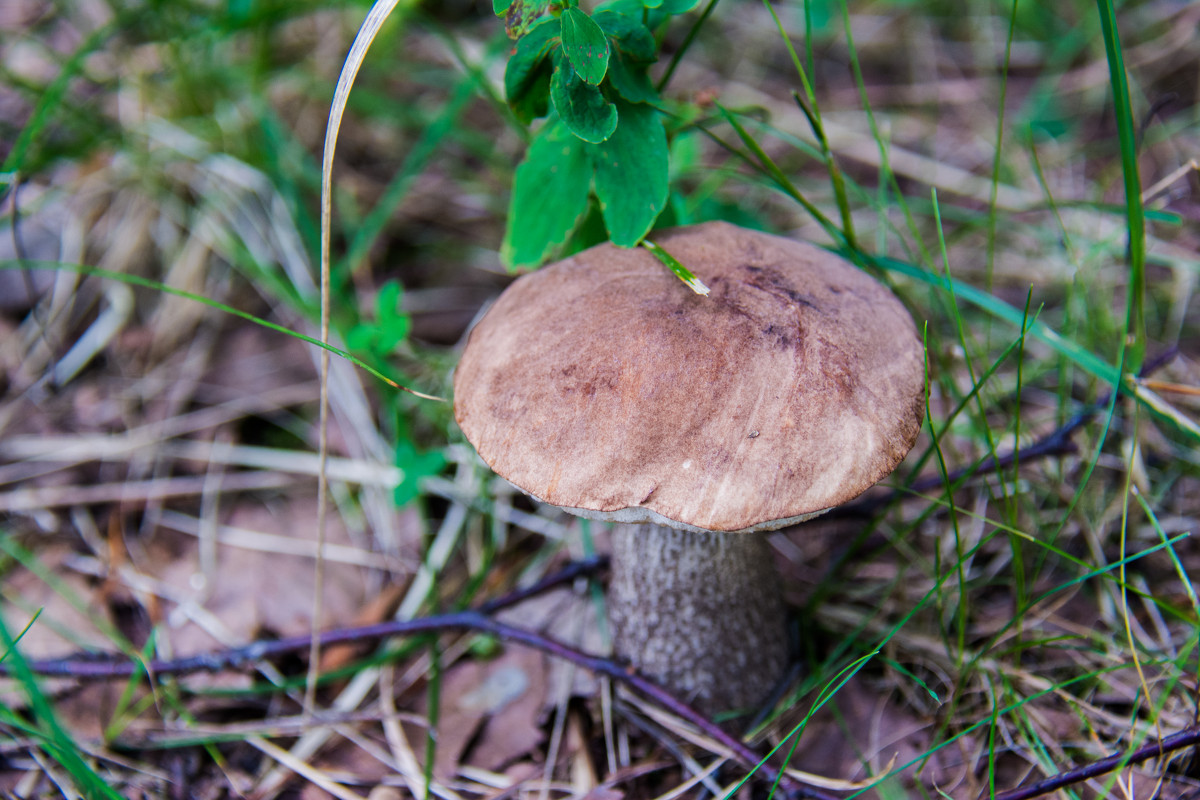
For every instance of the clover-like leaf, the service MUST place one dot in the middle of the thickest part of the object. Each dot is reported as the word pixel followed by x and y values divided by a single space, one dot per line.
pixel 631 173
pixel 527 76
pixel 550 196
pixel 519 15
pixel 415 465
pixel 581 106
pixel 631 81
pixel 393 323
pixel 653 16
pixel 586 45
pixel 628 33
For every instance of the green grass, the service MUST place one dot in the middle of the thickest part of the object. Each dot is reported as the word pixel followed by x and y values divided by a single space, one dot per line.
pixel 1030 620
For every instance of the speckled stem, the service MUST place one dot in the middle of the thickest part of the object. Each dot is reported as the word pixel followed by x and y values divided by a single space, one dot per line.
pixel 700 613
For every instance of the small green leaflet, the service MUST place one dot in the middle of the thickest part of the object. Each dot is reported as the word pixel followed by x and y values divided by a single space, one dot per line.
pixel 585 44
pixel 683 273
pixel 390 328
pixel 629 34
pixel 527 76
pixel 581 106
pixel 657 10
pixel 414 465
pixel 550 196
pixel 519 15
pixel 634 52
pixel 631 173
pixel 631 81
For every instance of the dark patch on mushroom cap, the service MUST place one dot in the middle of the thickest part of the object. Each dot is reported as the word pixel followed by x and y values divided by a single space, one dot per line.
pixel 603 383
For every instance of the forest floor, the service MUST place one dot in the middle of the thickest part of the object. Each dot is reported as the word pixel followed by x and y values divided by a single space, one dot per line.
pixel 965 629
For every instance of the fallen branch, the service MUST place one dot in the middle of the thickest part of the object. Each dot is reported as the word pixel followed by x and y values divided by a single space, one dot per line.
pixel 92 667
pixel 102 666
pixel 1188 737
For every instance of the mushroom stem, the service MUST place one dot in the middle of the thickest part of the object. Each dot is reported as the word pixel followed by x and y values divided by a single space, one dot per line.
pixel 701 613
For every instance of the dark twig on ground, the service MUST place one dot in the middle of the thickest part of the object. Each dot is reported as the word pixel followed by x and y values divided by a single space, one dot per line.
pixel 91 667
pixel 1188 737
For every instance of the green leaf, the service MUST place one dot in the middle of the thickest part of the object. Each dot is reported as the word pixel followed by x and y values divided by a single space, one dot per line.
pixel 585 44
pixel 629 34
pixel 527 76
pixel 393 323
pixel 414 465
pixel 631 173
pixel 631 81
pixel 500 7
pixel 390 328
pixel 657 13
pixel 581 107
pixel 627 7
pixel 652 3
pixel 519 15
pixel 550 196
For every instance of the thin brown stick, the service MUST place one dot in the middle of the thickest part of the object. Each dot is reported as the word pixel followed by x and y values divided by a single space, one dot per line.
pixel 105 667
pixel 1188 737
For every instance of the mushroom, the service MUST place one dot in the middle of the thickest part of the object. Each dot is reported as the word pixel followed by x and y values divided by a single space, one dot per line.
pixel 603 385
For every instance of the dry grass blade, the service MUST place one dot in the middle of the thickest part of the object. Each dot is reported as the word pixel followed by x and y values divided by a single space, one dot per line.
pixel 302 767
pixel 379 13
pixel 31 499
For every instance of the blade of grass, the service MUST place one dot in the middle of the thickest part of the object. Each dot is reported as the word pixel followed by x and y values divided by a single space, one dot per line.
pixel 1184 579
pixel 1018 559
pixel 379 13
pixel 685 45
pixel 137 280
pixel 1079 355
pixel 1128 490
pixel 886 173
pixel 53 738
pixel 999 149
pixel 415 162
pixel 433 696
pixel 1135 212
pixel 771 170
pixel 51 99
pixel 812 112
pixel 961 615
pixel 1054 689
pixel 683 273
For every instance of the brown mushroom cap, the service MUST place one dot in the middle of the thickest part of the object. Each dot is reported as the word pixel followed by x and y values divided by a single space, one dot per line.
pixel 604 385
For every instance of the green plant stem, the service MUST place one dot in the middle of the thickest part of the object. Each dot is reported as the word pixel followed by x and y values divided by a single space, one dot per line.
pixel 137 280
pixel 687 43
pixel 1134 210
pixel 999 149
pixel 811 109
pixel 54 740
